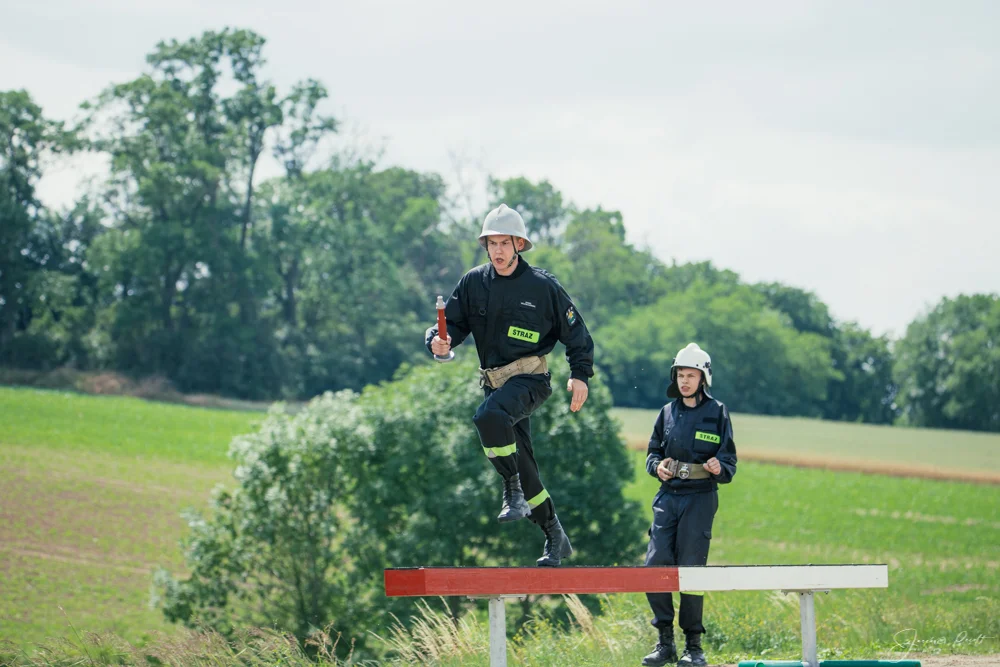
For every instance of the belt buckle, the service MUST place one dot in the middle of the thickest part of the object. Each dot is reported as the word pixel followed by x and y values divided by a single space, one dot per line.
pixel 684 472
pixel 482 378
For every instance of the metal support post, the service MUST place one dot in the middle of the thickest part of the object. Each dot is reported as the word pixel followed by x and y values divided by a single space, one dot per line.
pixel 807 615
pixel 498 633
pixel 498 627
pixel 807 618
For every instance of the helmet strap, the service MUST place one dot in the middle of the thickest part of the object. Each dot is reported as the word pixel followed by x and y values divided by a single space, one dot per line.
pixel 513 258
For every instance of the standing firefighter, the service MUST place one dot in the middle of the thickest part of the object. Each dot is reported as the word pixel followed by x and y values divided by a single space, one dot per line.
pixel 691 452
pixel 516 313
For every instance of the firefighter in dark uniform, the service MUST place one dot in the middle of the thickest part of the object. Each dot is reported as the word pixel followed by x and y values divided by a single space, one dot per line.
pixel 691 452
pixel 516 313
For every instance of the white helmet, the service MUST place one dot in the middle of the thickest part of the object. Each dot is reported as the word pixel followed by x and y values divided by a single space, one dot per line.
pixel 691 356
pixel 504 221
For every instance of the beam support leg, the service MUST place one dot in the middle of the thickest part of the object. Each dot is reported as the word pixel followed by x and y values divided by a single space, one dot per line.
pixel 807 615
pixel 807 618
pixel 498 633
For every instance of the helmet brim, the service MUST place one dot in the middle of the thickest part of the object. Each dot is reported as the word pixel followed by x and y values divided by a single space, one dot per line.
pixel 528 245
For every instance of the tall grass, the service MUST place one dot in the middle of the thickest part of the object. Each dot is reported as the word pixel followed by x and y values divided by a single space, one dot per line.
pixel 740 626
pixel 254 647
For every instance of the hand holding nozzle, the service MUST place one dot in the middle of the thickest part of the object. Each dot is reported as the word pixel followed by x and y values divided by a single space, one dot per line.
pixel 442 348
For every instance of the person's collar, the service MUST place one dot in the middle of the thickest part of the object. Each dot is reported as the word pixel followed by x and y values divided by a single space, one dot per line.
pixel 699 399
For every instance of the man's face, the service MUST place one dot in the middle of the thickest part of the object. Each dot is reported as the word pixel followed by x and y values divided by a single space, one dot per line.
pixel 688 381
pixel 501 249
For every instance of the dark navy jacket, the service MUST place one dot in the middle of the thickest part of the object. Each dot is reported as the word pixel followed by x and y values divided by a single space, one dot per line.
pixel 693 435
pixel 516 316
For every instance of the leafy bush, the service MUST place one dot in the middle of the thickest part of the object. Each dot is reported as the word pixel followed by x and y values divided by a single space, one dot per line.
pixel 329 497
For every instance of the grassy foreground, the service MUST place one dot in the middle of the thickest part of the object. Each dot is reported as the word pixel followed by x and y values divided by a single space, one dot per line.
pixel 92 488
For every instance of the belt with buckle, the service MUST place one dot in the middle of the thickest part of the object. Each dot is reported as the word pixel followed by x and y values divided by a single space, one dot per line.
pixel 682 470
pixel 494 378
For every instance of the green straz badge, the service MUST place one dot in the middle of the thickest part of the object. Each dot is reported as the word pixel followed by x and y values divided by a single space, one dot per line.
pixel 707 437
pixel 523 334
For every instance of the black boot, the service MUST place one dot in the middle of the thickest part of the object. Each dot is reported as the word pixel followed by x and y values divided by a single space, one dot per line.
pixel 557 544
pixel 693 655
pixel 665 650
pixel 514 505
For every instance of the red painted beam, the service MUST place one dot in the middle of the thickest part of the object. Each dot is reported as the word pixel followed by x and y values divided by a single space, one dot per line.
pixel 488 581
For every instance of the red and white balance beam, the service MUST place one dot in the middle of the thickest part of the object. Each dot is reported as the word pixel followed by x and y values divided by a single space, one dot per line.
pixel 496 581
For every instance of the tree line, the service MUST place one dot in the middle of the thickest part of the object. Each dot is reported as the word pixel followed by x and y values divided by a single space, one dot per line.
pixel 184 264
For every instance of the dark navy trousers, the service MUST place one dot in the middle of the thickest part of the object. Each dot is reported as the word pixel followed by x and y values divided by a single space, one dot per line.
pixel 680 535
pixel 504 424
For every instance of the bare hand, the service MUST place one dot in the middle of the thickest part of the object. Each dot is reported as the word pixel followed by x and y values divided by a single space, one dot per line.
pixel 661 470
pixel 712 465
pixel 439 347
pixel 580 393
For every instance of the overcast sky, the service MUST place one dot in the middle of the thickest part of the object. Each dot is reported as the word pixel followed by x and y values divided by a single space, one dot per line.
pixel 849 148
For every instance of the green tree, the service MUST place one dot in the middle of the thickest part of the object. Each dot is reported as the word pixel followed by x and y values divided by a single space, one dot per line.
pixel 862 388
pixel 184 144
pixel 866 391
pixel 63 290
pixel 948 365
pixel 353 249
pixel 271 553
pixel 806 312
pixel 540 204
pixel 682 277
pixel 762 364
pixel 26 138
pixel 609 277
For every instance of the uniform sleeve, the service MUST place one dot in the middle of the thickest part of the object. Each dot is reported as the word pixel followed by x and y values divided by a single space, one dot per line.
pixel 654 451
pixel 574 335
pixel 454 313
pixel 727 452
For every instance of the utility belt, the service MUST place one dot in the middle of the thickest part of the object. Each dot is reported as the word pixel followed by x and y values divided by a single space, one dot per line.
pixel 494 378
pixel 682 470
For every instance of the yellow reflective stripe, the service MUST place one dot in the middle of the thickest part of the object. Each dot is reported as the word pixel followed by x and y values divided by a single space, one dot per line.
pixel 500 451
pixel 523 334
pixel 708 437
pixel 539 499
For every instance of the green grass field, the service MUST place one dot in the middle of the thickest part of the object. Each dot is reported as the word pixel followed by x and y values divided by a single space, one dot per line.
pixel 91 489
pixel 127 428
pixel 90 503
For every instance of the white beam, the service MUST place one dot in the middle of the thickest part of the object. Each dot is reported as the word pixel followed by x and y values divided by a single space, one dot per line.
pixel 782 577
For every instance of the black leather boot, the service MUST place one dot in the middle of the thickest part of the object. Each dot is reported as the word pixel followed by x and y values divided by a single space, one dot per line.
pixel 514 505
pixel 693 655
pixel 557 544
pixel 664 652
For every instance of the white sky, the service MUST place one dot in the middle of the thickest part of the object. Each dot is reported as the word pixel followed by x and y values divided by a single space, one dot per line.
pixel 849 148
